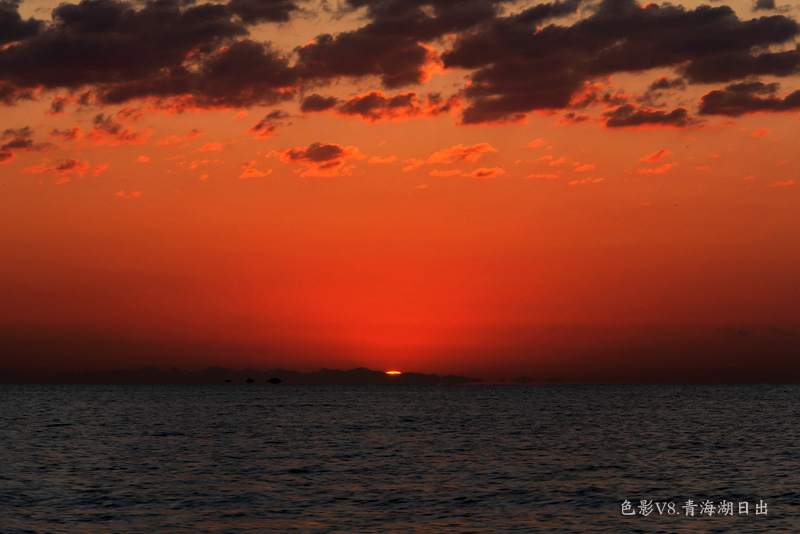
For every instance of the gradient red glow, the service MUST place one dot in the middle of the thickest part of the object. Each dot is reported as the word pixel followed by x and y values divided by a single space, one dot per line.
pixel 289 188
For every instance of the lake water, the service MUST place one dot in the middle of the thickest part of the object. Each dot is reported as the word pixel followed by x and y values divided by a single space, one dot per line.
pixel 489 459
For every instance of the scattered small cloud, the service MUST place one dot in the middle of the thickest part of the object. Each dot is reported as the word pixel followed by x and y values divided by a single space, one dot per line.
pixel 97 171
pixel 486 173
pixel 211 147
pixel 68 134
pixel 173 140
pixel 658 170
pixel 449 172
pixel 631 116
pixel 66 166
pixel 536 143
pixel 111 132
pixel 459 153
pixel 267 126
pixel 573 118
pixel 784 183
pixel 249 170
pixel 589 180
pixel 553 162
pixel 381 160
pixel 57 106
pixel 322 159
pixel 658 155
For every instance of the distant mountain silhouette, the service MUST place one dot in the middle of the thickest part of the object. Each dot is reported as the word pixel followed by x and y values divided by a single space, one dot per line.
pixel 247 377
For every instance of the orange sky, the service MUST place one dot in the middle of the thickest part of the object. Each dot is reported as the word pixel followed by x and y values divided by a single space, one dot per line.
pixel 578 190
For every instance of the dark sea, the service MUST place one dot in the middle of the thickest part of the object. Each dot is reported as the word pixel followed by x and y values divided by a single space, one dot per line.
pixel 383 459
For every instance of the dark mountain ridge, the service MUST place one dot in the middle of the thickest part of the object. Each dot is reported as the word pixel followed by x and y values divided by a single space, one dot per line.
pixel 223 376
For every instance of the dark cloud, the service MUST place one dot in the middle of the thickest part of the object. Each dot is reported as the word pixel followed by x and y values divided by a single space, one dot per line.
pixel 659 88
pixel 19 143
pixel 573 118
pixel 316 103
pixel 110 41
pixel 245 74
pixel 12 27
pixel 391 45
pixel 628 116
pixel 739 65
pixel 266 126
pixel 254 11
pixel 522 67
pixel 322 159
pixel 108 131
pixel 184 54
pixel 764 5
pixel 666 84
pixel 21 139
pixel 735 332
pixel 25 131
pixel 316 153
pixel 161 48
pixel 375 106
pixel 10 95
pixel 67 165
pixel 68 134
pixel 779 331
pixel 57 105
pixel 749 97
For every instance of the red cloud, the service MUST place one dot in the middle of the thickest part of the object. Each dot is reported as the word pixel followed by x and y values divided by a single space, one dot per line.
pixel 67 166
pixel 211 147
pixel 486 173
pixel 655 156
pixel 174 139
pixel 450 172
pixel 586 181
pixel 249 171
pixel 379 159
pixel 658 170
pixel 458 153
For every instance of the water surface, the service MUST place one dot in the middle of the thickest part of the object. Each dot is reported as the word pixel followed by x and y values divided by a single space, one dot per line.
pixel 372 459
